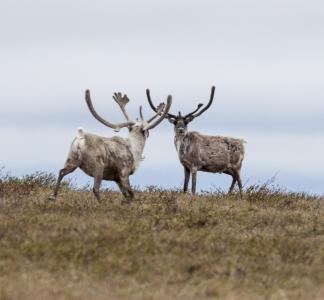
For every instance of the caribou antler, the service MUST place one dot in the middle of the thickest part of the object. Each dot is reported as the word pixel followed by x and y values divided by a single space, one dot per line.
pixel 193 115
pixel 162 111
pixel 154 108
pixel 141 113
pixel 188 117
pixel 103 121
pixel 122 101
pixel 198 107
pixel 159 110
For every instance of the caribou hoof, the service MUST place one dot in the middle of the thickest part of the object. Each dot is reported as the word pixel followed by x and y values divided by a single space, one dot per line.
pixel 51 198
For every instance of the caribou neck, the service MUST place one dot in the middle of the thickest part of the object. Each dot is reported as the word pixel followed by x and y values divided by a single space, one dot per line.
pixel 178 139
pixel 137 142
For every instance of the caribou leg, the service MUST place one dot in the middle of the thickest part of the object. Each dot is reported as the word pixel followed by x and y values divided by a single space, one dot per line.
pixel 186 179
pixel 194 177
pixel 232 185
pixel 63 172
pixel 125 188
pixel 97 182
pixel 228 172
pixel 238 179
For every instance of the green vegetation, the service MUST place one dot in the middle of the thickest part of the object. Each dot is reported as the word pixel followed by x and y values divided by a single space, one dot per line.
pixel 165 245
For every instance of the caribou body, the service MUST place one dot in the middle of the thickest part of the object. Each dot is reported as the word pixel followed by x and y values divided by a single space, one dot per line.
pixel 113 158
pixel 198 152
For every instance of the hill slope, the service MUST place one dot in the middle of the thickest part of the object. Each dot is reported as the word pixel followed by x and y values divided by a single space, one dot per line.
pixel 165 245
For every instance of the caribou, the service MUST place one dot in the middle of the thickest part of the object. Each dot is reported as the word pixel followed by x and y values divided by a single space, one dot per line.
pixel 198 152
pixel 111 158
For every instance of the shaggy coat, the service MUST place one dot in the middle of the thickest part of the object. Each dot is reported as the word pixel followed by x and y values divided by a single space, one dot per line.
pixel 198 152
pixel 113 158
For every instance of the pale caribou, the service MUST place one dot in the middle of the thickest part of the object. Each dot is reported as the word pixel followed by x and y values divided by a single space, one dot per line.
pixel 113 158
pixel 198 152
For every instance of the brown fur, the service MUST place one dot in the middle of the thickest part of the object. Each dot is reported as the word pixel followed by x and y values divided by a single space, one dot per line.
pixel 215 154
pixel 197 152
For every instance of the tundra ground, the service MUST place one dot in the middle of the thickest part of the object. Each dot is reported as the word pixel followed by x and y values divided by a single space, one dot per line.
pixel 165 245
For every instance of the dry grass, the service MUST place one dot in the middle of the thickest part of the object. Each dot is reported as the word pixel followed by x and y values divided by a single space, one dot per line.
pixel 165 245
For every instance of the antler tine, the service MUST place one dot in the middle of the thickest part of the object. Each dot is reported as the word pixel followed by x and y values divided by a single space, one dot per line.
pixel 162 110
pixel 100 119
pixel 158 112
pixel 148 95
pixel 198 107
pixel 212 93
pixel 153 107
pixel 122 101
pixel 141 113
pixel 152 118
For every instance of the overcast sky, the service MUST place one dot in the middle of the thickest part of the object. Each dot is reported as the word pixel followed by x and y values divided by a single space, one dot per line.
pixel 266 59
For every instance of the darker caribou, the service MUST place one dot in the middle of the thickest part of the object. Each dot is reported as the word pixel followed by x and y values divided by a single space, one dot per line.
pixel 198 152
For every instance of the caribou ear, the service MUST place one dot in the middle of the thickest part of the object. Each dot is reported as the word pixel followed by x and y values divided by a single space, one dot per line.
pixel 172 121
pixel 188 119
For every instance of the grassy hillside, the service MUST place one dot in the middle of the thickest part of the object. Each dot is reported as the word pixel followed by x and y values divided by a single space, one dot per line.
pixel 165 245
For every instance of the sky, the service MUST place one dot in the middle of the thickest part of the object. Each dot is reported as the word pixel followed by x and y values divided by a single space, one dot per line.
pixel 266 59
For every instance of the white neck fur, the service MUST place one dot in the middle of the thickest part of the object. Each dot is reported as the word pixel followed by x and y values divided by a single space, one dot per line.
pixel 137 143
pixel 178 139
